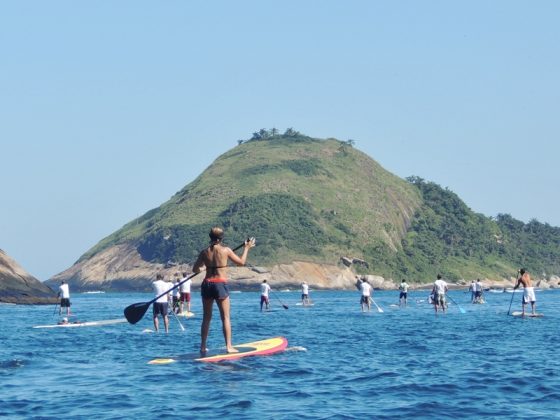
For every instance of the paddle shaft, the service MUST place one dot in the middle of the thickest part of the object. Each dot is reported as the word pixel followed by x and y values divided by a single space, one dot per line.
pixel 282 303
pixel 376 305
pixel 459 306
pixel 511 301
pixel 177 318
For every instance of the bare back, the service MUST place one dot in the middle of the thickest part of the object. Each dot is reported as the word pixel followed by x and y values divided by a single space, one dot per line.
pixel 525 280
pixel 215 259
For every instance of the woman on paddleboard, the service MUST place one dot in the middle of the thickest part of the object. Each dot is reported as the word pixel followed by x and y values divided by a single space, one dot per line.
pixel 214 286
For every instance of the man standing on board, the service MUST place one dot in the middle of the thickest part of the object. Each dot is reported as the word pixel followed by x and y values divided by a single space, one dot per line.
pixel 64 295
pixel 528 290
pixel 265 290
pixel 214 286
pixel 365 287
pixel 161 305
pixel 186 293
pixel 304 293
pixel 403 295
pixel 439 291
pixel 472 289
pixel 478 292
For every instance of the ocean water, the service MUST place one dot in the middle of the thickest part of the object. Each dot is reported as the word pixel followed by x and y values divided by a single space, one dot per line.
pixel 404 362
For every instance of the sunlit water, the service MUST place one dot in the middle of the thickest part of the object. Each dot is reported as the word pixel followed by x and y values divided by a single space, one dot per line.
pixel 400 363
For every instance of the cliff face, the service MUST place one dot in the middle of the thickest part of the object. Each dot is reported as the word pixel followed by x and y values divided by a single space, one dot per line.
pixel 18 286
pixel 121 268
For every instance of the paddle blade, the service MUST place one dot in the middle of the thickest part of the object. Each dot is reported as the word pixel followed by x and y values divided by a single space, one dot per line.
pixel 135 312
pixel 285 306
pixel 462 310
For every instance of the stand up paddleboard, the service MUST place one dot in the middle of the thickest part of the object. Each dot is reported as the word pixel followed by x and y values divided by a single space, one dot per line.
pixel 83 324
pixel 256 348
pixel 527 315
pixel 305 304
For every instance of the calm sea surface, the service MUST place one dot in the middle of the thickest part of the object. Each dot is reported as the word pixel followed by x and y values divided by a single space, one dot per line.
pixel 343 364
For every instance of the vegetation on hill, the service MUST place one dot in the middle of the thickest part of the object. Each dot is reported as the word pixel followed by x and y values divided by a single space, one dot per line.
pixel 302 198
pixel 449 238
pixel 318 200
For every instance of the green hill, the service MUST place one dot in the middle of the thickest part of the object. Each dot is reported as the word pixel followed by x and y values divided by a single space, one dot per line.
pixel 317 200
pixel 302 198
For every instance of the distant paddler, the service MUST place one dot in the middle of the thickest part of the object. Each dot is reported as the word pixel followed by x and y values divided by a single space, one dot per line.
pixel 214 286
pixel 478 292
pixel 304 293
pixel 185 293
pixel 64 295
pixel 265 290
pixel 365 299
pixel 439 290
pixel 176 294
pixel 528 290
pixel 403 295
pixel 161 305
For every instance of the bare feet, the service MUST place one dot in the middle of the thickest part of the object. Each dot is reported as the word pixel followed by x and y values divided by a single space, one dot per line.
pixel 203 351
pixel 232 350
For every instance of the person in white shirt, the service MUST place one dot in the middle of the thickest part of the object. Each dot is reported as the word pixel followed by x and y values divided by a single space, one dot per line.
pixel 472 289
pixel 64 295
pixel 403 295
pixel 265 290
pixel 185 293
pixel 161 304
pixel 478 292
pixel 365 300
pixel 439 290
pixel 304 293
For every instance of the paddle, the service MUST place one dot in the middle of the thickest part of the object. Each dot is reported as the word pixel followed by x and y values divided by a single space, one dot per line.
pixel 459 306
pixel 282 303
pixel 135 312
pixel 376 305
pixel 512 293
pixel 55 306
pixel 177 318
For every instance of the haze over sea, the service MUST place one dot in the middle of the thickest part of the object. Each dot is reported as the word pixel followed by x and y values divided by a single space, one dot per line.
pixel 400 363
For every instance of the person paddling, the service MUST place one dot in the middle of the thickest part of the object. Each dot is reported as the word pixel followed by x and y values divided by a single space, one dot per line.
pixel 185 293
pixel 161 305
pixel 403 295
pixel 365 300
pixel 528 290
pixel 214 286
pixel 64 295
pixel 439 291
pixel 265 290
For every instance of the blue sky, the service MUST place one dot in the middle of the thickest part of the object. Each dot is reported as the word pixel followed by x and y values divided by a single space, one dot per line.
pixel 109 108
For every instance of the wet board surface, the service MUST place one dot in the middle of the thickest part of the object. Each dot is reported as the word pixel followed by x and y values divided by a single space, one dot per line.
pixel 527 315
pixel 256 348
pixel 306 304
pixel 84 324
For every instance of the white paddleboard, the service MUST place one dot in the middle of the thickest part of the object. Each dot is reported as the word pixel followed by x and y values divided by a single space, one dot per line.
pixel 527 314
pixel 83 324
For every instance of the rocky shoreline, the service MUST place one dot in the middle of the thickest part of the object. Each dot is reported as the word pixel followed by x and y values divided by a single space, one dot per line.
pixel 121 269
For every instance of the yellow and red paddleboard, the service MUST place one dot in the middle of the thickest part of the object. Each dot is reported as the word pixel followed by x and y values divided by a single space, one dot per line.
pixel 256 348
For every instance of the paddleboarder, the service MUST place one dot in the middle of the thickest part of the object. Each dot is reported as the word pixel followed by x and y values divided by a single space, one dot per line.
pixel 366 288
pixel 161 305
pixel 403 295
pixel 265 290
pixel 472 289
pixel 64 295
pixel 528 290
pixel 478 292
pixel 304 293
pixel 439 290
pixel 186 293
pixel 176 294
pixel 214 286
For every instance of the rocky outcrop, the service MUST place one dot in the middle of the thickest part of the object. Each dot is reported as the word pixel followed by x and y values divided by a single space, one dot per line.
pixel 121 268
pixel 18 286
